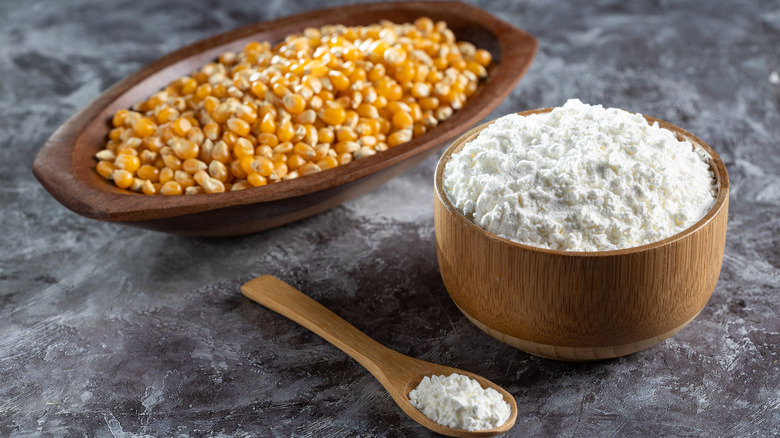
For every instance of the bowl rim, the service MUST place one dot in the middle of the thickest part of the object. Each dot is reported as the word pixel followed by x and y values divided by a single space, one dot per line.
pixel 73 184
pixel 715 162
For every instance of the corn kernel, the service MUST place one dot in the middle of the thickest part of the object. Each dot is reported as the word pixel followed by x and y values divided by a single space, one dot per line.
pixel 105 169
pixel 122 178
pixel 171 188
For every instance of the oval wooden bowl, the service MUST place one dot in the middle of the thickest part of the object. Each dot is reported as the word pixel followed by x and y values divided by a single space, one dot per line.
pixel 580 306
pixel 66 168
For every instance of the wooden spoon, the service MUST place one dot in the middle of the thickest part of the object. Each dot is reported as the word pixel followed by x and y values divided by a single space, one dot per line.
pixel 398 373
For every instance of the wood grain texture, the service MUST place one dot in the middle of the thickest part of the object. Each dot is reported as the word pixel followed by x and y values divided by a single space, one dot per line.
pixel 580 305
pixel 398 374
pixel 66 168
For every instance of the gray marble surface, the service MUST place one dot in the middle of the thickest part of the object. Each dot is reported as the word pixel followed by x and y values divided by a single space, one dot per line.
pixel 113 331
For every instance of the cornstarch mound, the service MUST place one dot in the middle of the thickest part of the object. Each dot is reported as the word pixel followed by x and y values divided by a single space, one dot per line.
pixel 580 178
pixel 459 402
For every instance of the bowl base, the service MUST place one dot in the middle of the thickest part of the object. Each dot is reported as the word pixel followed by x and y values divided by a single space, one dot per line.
pixel 575 354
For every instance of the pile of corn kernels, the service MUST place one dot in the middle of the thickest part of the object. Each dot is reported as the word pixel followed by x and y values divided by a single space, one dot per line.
pixel 315 101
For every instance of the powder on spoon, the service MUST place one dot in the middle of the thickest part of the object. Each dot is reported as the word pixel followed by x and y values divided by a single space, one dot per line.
pixel 459 402
pixel 580 178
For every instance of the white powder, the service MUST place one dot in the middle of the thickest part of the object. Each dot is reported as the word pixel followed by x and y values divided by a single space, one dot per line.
pixel 580 178
pixel 460 402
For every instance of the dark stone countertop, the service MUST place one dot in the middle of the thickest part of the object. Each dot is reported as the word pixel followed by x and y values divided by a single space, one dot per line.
pixel 108 330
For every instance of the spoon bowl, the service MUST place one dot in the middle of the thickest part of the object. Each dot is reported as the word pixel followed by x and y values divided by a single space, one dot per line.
pixel 66 168
pixel 398 373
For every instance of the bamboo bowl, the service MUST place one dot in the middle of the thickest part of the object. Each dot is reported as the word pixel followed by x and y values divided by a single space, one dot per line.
pixel 580 306
pixel 66 168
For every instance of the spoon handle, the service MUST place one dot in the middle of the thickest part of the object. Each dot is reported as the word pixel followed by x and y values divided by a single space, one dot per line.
pixel 295 305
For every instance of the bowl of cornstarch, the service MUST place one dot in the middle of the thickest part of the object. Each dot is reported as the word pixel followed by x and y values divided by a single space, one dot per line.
pixel 580 232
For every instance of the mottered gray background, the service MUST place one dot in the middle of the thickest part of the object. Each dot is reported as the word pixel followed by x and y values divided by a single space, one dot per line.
pixel 108 330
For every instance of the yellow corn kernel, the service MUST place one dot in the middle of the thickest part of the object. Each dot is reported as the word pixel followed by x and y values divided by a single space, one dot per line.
pixel 418 130
pixel 280 171
pixel 218 171
pixel 119 118
pixel 483 57
pixel 210 104
pixel 148 188
pixel 258 89
pixel 358 75
pixel 351 119
pixel 304 151
pixel 243 148
pixel 268 125
pixel 405 72
pixel 367 140
pixel 221 152
pixel 200 176
pixel 333 116
pixel 263 166
pixel 425 25
pixel 203 91
pixel 181 126
pixel 236 170
pixel 364 152
pixel 144 127
pixel 346 147
pixel 230 137
pixel 183 178
pixel 377 72
pixel 338 80
pixel 246 113
pixel 364 128
pixel 246 164
pixel 326 134
pixel 267 139
pixel 105 169
pixel 402 120
pixel 193 165
pixel 240 185
pixel 280 90
pixel 367 110
pixel 429 103
pixel 308 169
pixel 149 172
pixel 443 113
pixel 328 163
pixel 166 174
pixel 171 188
pixel 184 148
pixel 316 68
pixel 380 102
pixel 122 178
pixel 285 132
pixel 384 126
pixel 294 103
pixel 421 90
pixel 295 161
pixel 238 126
pixel 344 158
pixel 346 134
pixel 115 134
pixel 256 180
pixel 129 163
pixel 399 137
pixel 211 185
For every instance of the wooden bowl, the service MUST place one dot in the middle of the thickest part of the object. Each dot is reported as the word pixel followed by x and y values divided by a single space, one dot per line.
pixel 580 306
pixel 66 168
